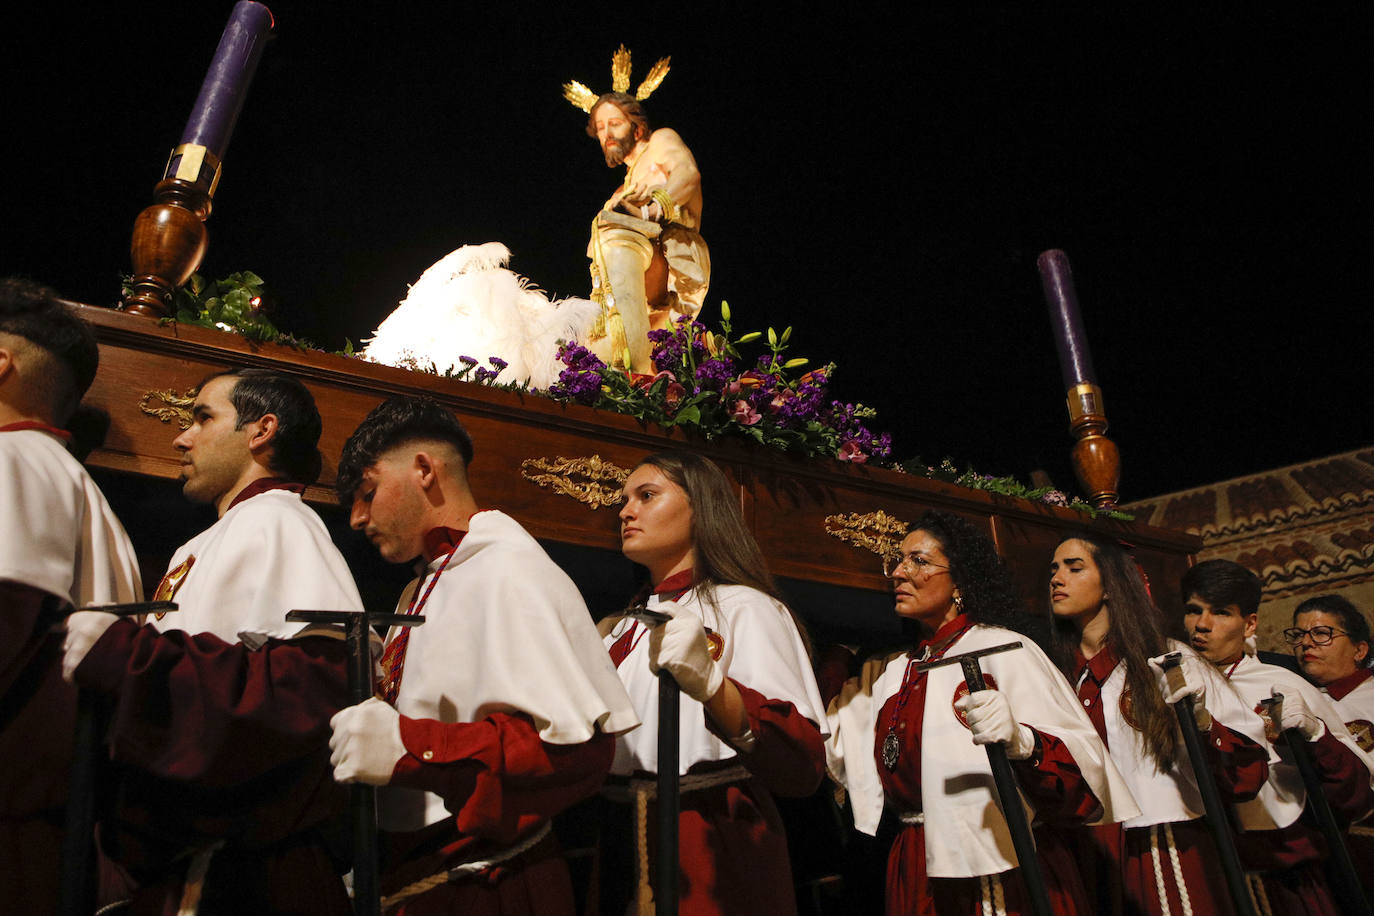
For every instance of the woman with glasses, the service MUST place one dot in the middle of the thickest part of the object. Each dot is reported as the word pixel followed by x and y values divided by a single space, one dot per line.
pixel 1331 639
pixel 751 715
pixel 1108 639
pixel 909 740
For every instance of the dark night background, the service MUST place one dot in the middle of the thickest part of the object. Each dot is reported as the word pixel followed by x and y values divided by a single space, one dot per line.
pixel 882 181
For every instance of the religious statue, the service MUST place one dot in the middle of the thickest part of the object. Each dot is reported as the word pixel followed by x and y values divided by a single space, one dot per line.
pixel 649 263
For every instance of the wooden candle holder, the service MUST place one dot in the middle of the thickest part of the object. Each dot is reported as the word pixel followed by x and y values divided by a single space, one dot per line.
pixel 1096 460
pixel 169 242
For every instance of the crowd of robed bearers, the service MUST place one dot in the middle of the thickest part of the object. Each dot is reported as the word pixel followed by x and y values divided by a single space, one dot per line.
pixel 231 735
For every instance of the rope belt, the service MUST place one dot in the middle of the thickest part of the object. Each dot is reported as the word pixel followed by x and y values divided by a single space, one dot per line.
pixel 912 818
pixel 1361 830
pixel 466 869
pixel 638 792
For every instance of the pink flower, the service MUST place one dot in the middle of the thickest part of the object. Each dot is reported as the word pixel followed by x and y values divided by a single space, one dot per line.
pixel 673 393
pixel 851 452
pixel 743 414
pixel 779 402
pixel 733 389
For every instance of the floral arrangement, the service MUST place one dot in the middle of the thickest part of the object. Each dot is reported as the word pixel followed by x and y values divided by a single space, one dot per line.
pixel 703 382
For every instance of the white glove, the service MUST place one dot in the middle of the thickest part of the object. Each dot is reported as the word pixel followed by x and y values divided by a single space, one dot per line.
pixel 680 647
pixel 366 744
pixel 1293 713
pixel 1180 686
pixel 990 719
pixel 84 629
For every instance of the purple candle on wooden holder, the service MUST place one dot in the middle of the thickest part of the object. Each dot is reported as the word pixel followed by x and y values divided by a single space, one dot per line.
pixel 197 157
pixel 1096 461
pixel 1075 360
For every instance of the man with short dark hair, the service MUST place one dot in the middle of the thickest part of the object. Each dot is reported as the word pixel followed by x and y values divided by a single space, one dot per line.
pixel 62 547
pixel 495 714
pixel 221 708
pixel 1221 611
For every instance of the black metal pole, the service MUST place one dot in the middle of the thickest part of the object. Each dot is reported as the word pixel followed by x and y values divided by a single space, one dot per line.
pixel 78 873
pixel 366 893
pixel 665 892
pixel 1010 797
pixel 1218 825
pixel 1346 879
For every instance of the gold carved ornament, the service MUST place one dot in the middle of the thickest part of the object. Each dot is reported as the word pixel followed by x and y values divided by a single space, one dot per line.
pixel 175 406
pixel 584 98
pixel 877 532
pixel 593 480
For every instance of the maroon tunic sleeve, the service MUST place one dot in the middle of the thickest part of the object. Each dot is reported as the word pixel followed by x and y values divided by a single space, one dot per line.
pixel 1239 765
pixel 1345 778
pixel 1054 784
pixel 37 708
pixel 832 670
pixel 496 776
pixel 188 707
pixel 788 754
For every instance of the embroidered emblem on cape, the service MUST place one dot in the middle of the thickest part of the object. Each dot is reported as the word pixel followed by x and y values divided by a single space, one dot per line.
pixel 167 588
pixel 716 642
pixel 962 691
pixel 1127 707
pixel 1362 730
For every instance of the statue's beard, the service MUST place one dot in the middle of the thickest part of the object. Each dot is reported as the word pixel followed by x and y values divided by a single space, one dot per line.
pixel 615 150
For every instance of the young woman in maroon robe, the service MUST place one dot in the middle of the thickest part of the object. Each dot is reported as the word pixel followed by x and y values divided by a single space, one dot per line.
pixel 750 709
pixel 1106 629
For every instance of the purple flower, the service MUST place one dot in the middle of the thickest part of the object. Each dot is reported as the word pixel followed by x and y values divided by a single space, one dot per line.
pixel 497 362
pixel 467 361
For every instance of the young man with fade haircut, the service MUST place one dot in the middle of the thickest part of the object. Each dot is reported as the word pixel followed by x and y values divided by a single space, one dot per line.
pixel 1221 611
pixel 495 714
pixel 62 548
pixel 221 709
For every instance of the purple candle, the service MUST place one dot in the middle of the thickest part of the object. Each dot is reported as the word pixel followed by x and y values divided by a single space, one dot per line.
pixel 226 85
pixel 1075 361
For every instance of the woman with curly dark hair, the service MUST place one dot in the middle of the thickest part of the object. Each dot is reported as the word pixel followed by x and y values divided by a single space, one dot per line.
pixel 1108 638
pixel 909 741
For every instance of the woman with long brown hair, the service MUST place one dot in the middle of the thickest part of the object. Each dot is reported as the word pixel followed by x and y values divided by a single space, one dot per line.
pixel 751 715
pixel 1107 638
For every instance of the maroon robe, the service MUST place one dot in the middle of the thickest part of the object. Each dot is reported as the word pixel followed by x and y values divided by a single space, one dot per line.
pixel 501 783
pixel 1118 863
pixel 216 742
pixel 1050 780
pixel 732 847
pixel 37 718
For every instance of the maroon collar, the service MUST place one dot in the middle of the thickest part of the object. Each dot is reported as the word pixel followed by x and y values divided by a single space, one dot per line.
pixel 676 583
pixel 948 632
pixel 440 541
pixel 62 434
pixel 1099 667
pixel 262 485
pixel 1341 686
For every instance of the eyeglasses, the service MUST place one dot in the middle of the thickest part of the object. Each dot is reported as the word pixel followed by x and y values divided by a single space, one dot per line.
pixel 914 562
pixel 1321 636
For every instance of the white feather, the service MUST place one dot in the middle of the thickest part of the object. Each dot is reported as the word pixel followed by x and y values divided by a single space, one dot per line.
pixel 469 304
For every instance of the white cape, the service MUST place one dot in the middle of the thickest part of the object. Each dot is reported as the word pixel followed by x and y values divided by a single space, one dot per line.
pixel 60 534
pixel 966 834
pixel 505 631
pixel 268 555
pixel 468 304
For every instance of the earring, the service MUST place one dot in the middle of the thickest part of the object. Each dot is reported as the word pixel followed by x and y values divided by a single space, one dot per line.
pixel 959 603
